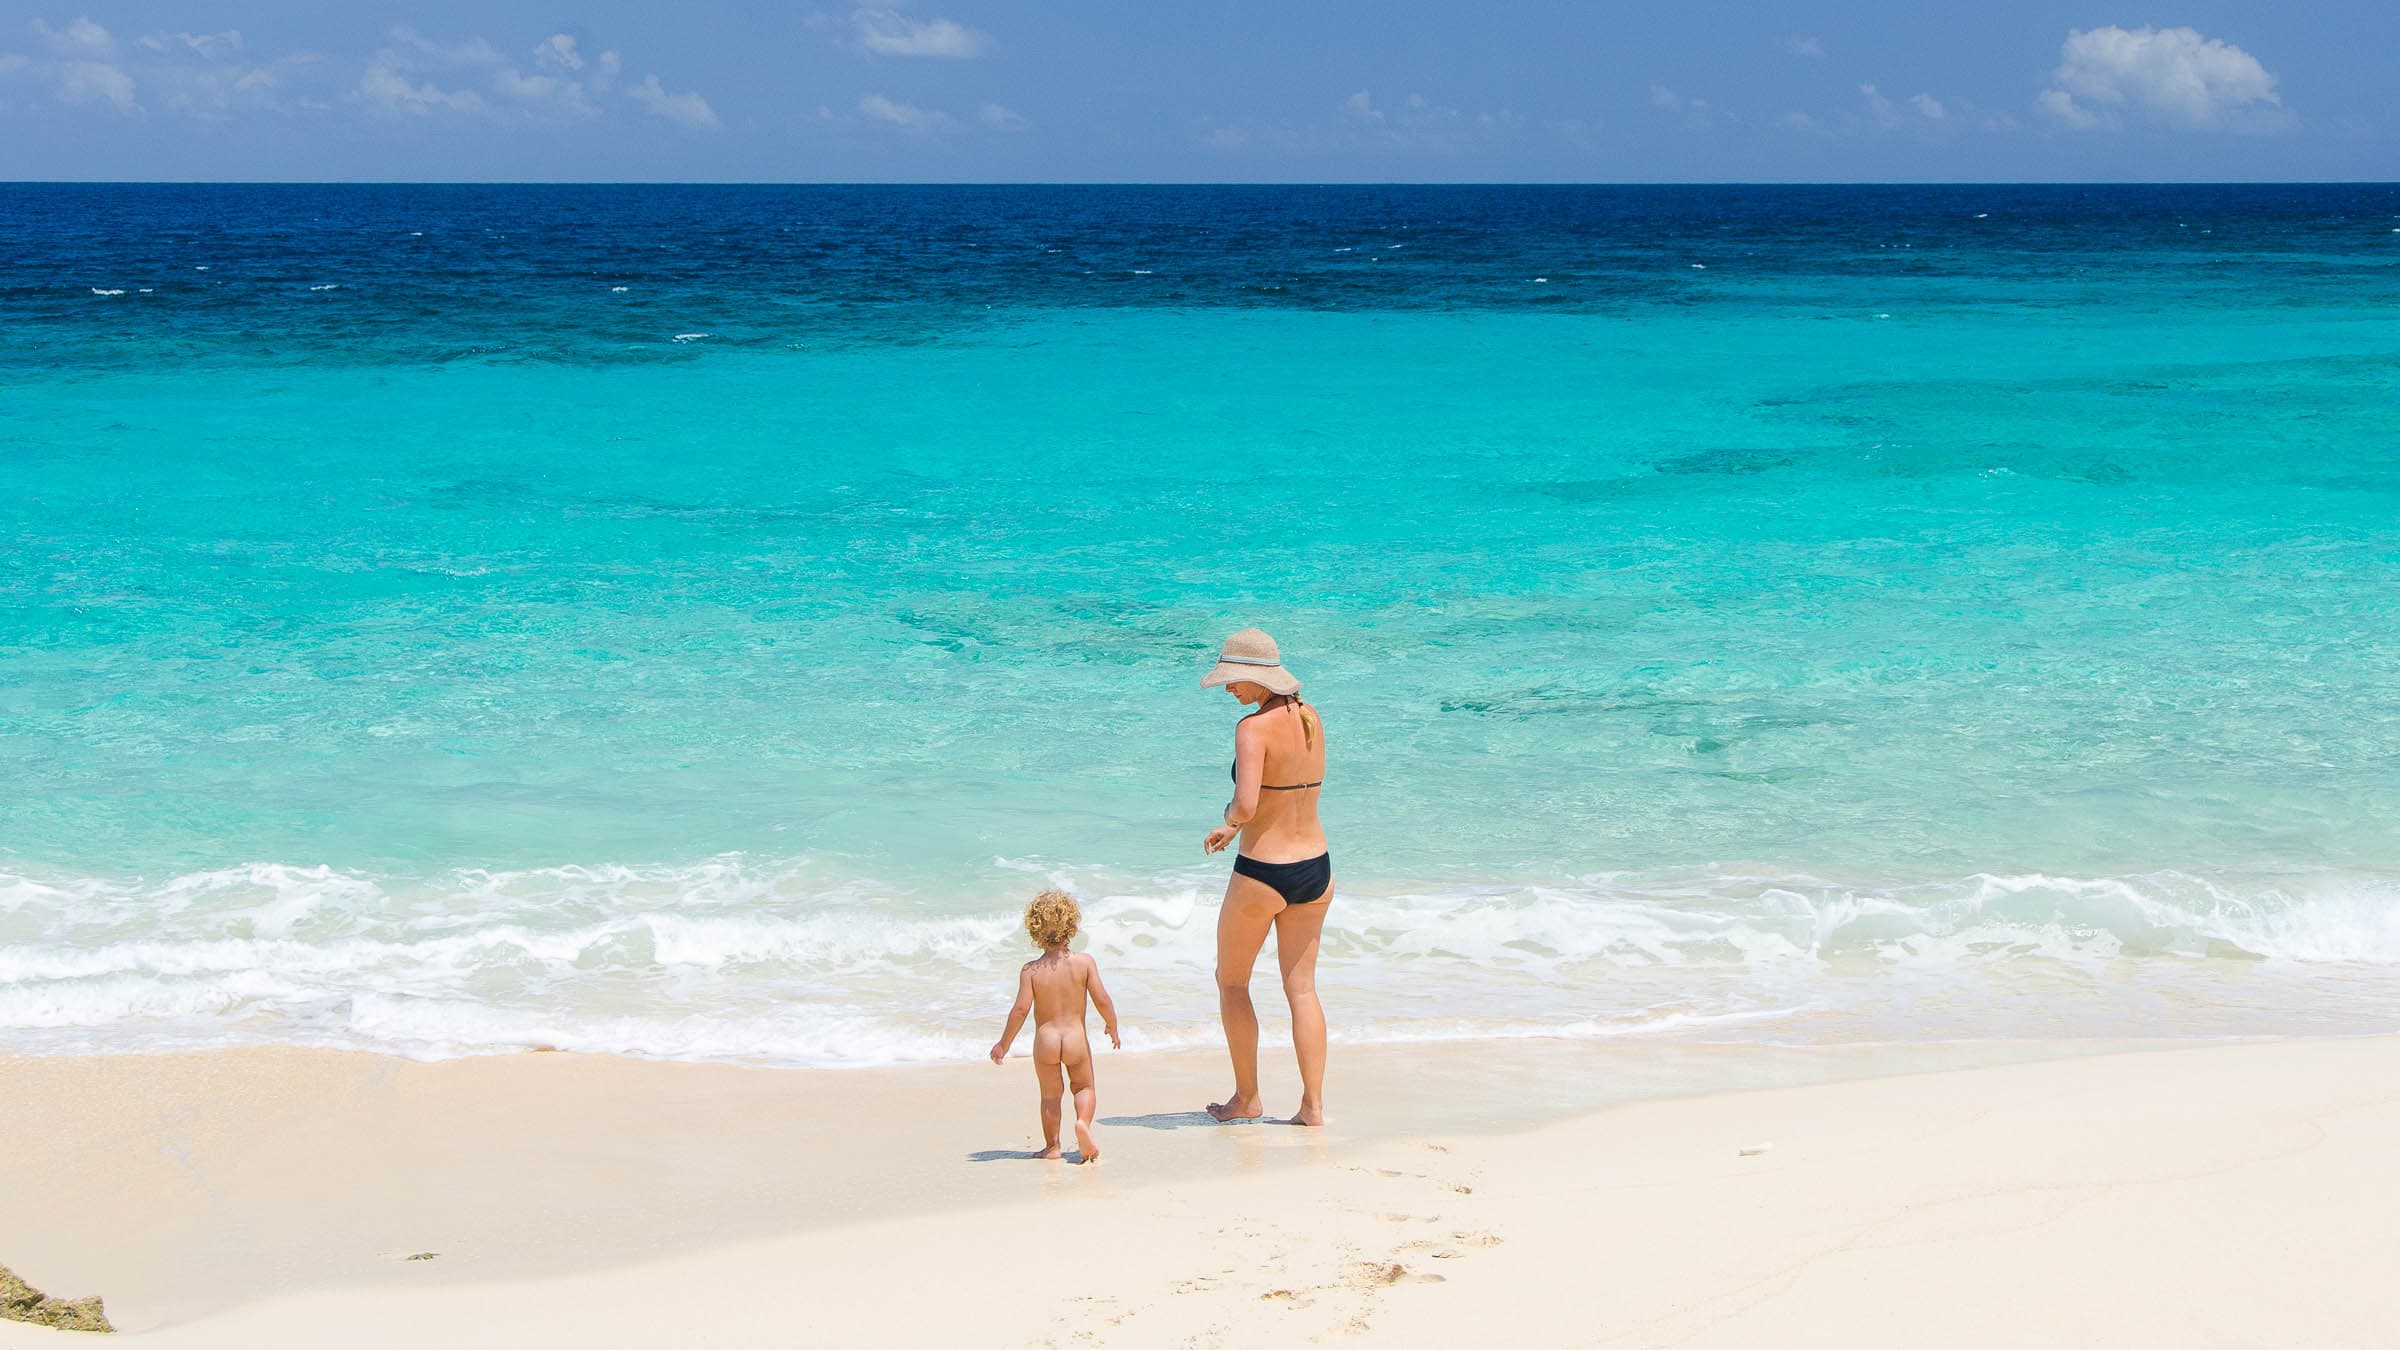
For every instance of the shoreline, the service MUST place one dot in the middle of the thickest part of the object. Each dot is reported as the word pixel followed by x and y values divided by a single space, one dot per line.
pixel 273 1197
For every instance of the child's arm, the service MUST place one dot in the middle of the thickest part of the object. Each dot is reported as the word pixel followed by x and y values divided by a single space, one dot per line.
pixel 1101 1000
pixel 1016 1014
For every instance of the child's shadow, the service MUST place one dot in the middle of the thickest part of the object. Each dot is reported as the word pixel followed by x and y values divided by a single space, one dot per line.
pixel 1004 1155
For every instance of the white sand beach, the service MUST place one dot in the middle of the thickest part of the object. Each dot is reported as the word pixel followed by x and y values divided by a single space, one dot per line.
pixel 2212 1195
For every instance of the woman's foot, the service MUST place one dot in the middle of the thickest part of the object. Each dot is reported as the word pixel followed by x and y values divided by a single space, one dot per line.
pixel 1310 1113
pixel 1237 1108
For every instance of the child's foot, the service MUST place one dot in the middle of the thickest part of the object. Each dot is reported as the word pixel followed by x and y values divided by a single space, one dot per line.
pixel 1090 1152
pixel 1310 1113
pixel 1050 1152
pixel 1237 1108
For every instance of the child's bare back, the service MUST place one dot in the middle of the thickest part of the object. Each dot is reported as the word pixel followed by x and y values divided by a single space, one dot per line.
pixel 1053 987
pixel 1060 981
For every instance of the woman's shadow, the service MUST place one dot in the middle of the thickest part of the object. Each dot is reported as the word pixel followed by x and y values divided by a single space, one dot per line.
pixel 1171 1120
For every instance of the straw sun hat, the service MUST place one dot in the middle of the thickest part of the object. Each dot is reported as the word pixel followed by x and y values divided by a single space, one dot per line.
pixel 1251 655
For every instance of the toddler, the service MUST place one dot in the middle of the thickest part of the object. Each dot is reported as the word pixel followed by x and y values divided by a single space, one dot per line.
pixel 1052 987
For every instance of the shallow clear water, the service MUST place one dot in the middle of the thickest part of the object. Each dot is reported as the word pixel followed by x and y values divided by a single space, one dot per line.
pixel 1775 613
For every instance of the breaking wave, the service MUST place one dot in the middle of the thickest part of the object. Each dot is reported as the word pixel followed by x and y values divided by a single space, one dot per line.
pixel 787 962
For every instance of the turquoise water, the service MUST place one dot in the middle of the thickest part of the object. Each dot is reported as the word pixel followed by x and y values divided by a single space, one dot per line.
pixel 1781 614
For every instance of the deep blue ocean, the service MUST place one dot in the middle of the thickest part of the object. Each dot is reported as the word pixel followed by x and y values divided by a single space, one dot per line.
pixel 691 621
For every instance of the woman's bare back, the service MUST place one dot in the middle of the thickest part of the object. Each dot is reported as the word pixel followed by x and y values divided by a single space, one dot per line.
pixel 1285 827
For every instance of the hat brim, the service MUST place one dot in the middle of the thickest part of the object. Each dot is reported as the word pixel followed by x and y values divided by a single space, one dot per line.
pixel 1274 678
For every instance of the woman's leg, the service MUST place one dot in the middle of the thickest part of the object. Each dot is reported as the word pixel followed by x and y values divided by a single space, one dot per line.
pixel 1242 924
pixel 1297 930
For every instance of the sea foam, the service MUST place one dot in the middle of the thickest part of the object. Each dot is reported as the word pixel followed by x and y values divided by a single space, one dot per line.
pixel 745 959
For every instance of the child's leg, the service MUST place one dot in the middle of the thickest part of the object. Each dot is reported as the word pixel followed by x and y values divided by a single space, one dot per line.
pixel 1046 1072
pixel 1087 1100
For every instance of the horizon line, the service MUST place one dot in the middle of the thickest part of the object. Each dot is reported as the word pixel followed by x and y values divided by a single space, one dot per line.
pixel 1203 183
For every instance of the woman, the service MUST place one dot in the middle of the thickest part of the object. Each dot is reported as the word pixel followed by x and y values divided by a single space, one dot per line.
pixel 1282 875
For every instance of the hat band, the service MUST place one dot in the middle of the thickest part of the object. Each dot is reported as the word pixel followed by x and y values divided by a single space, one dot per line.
pixel 1247 660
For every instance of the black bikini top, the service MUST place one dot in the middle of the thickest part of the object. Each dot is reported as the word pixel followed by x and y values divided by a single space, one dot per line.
pixel 1234 771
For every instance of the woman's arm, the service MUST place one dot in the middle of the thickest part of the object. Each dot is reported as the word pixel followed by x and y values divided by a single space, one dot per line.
pixel 1249 769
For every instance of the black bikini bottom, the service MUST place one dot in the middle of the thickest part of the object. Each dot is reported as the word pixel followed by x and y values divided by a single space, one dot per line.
pixel 1299 883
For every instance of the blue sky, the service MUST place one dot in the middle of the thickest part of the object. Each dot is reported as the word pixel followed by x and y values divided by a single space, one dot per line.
pixel 1298 90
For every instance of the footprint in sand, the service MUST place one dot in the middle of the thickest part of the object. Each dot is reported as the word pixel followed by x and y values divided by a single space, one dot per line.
pixel 1101 1303
pixel 1290 1298
pixel 1383 1274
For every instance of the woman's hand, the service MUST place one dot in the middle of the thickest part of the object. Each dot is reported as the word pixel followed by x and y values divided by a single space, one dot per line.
pixel 1219 837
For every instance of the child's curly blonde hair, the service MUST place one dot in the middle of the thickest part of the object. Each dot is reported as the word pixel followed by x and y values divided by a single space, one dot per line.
pixel 1053 919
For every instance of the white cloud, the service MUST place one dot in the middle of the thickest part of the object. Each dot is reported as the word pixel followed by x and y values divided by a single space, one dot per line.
pixel 96 82
pixel 906 116
pixel 1696 112
pixel 1885 112
pixel 685 109
pixel 204 75
pixel 1001 119
pixel 1415 124
pixel 11 63
pixel 83 68
pixel 555 94
pixel 1803 46
pixel 2170 77
pixel 416 47
pixel 386 87
pixel 2060 106
pixel 1879 107
pixel 206 46
pixel 559 50
pixel 562 52
pixel 215 92
pixel 416 76
pixel 890 33
pixel 82 39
